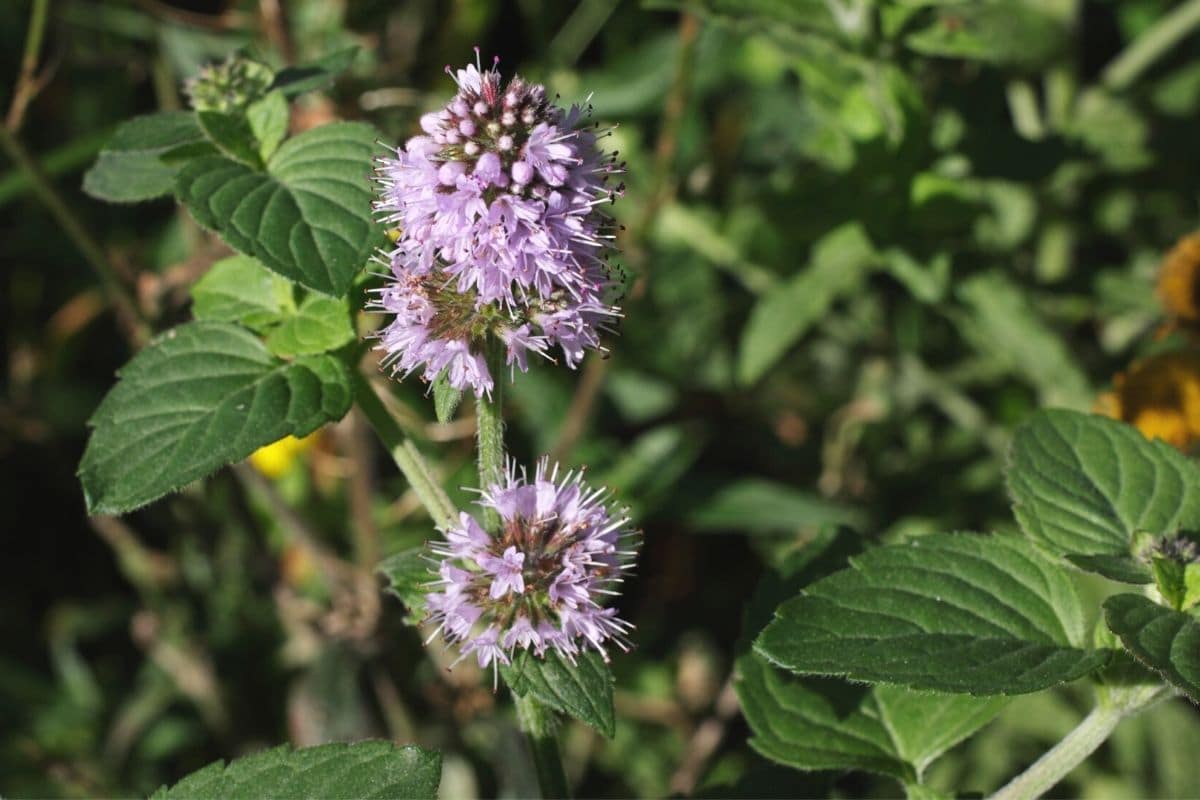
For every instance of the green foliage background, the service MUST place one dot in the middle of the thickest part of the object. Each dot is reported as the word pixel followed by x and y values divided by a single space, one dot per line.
pixel 863 241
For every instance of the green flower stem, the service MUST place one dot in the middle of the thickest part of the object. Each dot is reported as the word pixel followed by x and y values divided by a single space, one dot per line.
pixel 1077 745
pixel 1155 42
pixel 410 461
pixel 489 421
pixel 540 725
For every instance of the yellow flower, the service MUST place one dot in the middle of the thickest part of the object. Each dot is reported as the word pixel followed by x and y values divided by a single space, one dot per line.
pixel 1160 396
pixel 276 458
pixel 1179 280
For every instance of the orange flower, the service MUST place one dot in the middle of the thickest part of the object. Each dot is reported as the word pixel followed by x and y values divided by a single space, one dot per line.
pixel 1160 396
pixel 1179 280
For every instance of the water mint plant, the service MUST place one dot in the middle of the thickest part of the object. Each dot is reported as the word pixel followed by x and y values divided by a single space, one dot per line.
pixel 844 511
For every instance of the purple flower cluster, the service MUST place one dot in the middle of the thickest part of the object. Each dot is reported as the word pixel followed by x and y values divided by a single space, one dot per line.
pixel 500 234
pixel 539 582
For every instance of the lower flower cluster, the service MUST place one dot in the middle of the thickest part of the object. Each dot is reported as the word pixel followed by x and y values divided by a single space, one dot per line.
pixel 539 581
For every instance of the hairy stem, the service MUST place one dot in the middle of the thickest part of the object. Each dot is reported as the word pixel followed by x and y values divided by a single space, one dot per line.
pixel 410 461
pixel 1155 42
pixel 1077 745
pixel 540 725
pixel 489 419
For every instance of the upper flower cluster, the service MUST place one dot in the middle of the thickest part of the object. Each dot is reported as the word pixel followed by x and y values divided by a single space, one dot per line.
pixel 540 582
pixel 499 233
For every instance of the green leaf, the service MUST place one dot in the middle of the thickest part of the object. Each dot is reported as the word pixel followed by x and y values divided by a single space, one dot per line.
pixel 584 689
pixel 308 217
pixel 796 724
pixel 926 282
pixel 361 769
pixel 1083 484
pixel 1007 32
pixel 923 725
pixel 840 262
pixel 1178 582
pixel 240 289
pixel 822 725
pixel 131 167
pixel 1165 640
pixel 269 117
pixel 445 398
pixel 200 396
pixel 409 578
pixel 759 506
pixel 1000 322
pixel 1122 569
pixel 231 133
pixel 948 612
pixel 320 324
pixel 293 81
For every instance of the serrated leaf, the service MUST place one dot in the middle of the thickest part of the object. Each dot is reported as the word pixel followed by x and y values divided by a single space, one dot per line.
pixel 308 217
pixel 268 118
pixel 886 729
pixel 445 398
pixel 360 770
pixel 293 81
pixel 754 505
pixel 409 578
pixel 1165 640
pixel 1122 569
pixel 949 612
pixel 924 725
pixel 840 262
pixel 796 724
pixel 198 397
pixel 319 325
pixel 584 689
pixel 1083 485
pixel 230 132
pixel 131 167
pixel 240 289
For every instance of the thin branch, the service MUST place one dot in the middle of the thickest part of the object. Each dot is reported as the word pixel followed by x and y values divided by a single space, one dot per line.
pixel 28 83
pixel 705 741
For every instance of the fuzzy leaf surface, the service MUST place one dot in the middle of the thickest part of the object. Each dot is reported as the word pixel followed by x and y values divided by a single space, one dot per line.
pixel 1163 639
pixel 949 612
pixel 320 324
pixel 367 769
pixel 240 289
pixel 409 578
pixel 198 397
pixel 294 81
pixel 446 398
pixel 308 217
pixel 131 167
pixel 1083 484
pixel 584 690
pixel 812 724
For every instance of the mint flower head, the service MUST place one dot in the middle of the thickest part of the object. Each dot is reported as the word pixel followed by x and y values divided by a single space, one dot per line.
pixel 540 581
pixel 501 234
